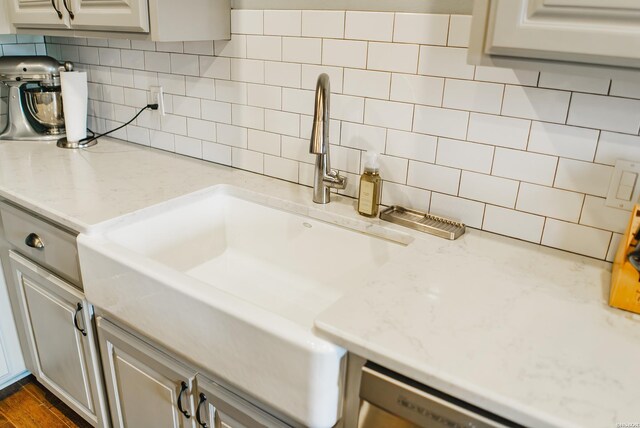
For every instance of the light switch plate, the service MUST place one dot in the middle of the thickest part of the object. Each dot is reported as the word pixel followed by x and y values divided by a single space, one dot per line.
pixel 624 183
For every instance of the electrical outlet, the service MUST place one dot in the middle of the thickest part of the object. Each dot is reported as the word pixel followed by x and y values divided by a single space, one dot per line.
pixel 156 96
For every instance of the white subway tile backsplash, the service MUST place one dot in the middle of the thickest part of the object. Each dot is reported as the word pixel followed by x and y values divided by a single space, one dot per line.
pixel 216 67
pixel 202 47
pixel 550 202
pixel 486 188
pixel 157 61
pixel 201 129
pixel 265 142
pixel 283 22
pixel 345 107
pixel 282 74
pixel 534 103
pixel 405 196
pixel 613 146
pixel 264 47
pixel 323 23
pixel 595 213
pixel 282 168
pixel 608 113
pixel 248 160
pixel 576 238
pixel 468 212
pixel 218 153
pixel 524 166
pixel 388 114
pixel 369 26
pixel 367 83
pixel 512 223
pixel 215 111
pixel 231 92
pixel 441 122
pixel 363 137
pixel 234 48
pixel 247 116
pixel 625 88
pixel 247 21
pixel 459 31
pixel 310 75
pixel 464 155
pixel 265 96
pixel 593 85
pixel 200 87
pixel 401 58
pixel 433 177
pixel 445 62
pixel 344 53
pixel 498 130
pixel 132 59
pixel 232 135
pixel 473 96
pixel 420 28
pixel 345 159
pixel 583 177
pixel 507 75
pixel 393 169
pixel 414 100
pixel 417 89
pixel 613 246
pixel 298 101
pixel 282 122
pixel 411 146
pixel 188 146
pixel 565 141
pixel 303 50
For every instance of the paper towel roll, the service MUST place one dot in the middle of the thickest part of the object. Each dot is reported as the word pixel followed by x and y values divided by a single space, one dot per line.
pixel 74 104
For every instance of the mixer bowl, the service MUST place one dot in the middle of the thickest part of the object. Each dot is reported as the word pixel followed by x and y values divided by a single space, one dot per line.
pixel 45 106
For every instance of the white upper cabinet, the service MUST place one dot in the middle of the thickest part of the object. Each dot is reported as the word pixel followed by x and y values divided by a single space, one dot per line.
pixel 595 33
pixel 156 20
pixel 110 15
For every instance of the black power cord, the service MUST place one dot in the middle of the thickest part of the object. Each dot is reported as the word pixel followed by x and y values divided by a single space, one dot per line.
pixel 95 136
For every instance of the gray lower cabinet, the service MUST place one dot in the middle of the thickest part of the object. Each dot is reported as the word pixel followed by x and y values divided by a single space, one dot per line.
pixel 60 337
pixel 148 388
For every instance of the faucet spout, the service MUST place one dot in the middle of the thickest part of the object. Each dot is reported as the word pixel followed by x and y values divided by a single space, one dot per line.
pixel 325 178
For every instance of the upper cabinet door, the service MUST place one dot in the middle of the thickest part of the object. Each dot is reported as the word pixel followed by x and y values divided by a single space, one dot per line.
pixel 579 31
pixel 38 14
pixel 110 15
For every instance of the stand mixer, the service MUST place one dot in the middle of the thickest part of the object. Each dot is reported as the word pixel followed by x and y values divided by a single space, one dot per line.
pixel 35 100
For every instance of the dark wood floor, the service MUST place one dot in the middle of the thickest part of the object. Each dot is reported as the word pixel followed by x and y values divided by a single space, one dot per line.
pixel 27 404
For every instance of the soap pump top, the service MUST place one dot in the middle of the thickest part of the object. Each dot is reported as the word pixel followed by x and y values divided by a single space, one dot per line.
pixel 371 162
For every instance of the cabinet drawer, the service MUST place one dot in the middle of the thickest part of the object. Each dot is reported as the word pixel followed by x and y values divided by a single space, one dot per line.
pixel 41 241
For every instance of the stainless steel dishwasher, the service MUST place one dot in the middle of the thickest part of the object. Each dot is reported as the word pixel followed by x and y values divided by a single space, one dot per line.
pixel 389 400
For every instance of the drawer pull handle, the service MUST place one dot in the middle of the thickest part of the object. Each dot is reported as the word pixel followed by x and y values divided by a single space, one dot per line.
pixel 56 8
pixel 34 241
pixel 203 399
pixel 75 320
pixel 183 388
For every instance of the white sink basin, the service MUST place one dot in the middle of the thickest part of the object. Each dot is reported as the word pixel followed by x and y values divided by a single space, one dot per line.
pixel 234 286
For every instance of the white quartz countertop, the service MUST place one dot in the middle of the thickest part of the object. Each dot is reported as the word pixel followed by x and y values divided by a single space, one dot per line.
pixel 518 329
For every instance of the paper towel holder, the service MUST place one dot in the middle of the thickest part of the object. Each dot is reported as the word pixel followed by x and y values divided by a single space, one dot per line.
pixel 63 143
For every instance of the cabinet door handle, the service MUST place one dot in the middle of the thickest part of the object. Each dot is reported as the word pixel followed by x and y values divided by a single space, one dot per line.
pixel 71 15
pixel 183 388
pixel 53 3
pixel 203 399
pixel 34 241
pixel 75 320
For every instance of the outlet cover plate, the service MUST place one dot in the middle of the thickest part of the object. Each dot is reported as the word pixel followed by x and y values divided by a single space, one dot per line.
pixel 617 184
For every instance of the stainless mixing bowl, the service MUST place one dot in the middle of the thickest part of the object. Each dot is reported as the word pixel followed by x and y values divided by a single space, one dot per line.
pixel 45 106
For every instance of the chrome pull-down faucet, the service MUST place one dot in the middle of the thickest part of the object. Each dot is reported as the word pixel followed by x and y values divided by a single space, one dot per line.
pixel 324 178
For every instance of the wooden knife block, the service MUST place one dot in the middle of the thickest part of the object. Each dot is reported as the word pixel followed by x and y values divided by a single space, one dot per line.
pixel 625 279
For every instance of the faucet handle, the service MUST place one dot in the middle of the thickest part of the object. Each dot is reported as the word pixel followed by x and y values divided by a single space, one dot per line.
pixel 334 180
